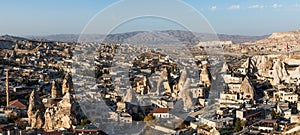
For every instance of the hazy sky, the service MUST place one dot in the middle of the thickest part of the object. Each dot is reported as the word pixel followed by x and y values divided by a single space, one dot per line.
pixel 247 17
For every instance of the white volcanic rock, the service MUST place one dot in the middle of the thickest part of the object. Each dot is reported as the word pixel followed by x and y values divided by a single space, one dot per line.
pixel 66 122
pixel 249 65
pixel 16 47
pixel 185 94
pixel 184 91
pixel 247 89
pixel 295 73
pixel 184 99
pixel 130 97
pixel 65 117
pixel 225 69
pixel 260 64
pixel 49 117
pixel 158 87
pixel 67 85
pixel 66 103
pixel 279 72
pixel 181 80
pixel 55 93
pixel 214 131
pixel 163 77
pixel 263 64
pixel 274 67
pixel 121 107
pixel 36 111
pixel 205 77
pixel 291 37
pixel 288 35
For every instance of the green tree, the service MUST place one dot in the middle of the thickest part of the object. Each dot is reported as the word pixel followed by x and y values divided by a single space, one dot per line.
pixel 273 114
pixel 182 126
pixel 237 125
pixel 298 92
pixel 47 78
pixel 243 123
pixel 149 117
pixel 84 122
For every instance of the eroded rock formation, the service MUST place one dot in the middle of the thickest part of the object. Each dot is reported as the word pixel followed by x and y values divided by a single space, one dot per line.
pixel 163 80
pixel 181 81
pixel 52 118
pixel 186 95
pixel 55 92
pixel 36 111
pixel 67 85
pixel 49 116
pixel 279 72
pixel 247 90
pixel 65 116
pixel 263 64
pixel 130 96
pixel 205 77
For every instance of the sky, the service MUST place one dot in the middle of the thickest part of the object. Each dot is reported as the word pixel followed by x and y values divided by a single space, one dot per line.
pixel 243 17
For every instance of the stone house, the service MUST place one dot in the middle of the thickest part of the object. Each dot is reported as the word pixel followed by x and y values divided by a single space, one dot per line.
pixel 161 113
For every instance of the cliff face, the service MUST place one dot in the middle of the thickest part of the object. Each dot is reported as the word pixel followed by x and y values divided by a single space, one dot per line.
pixel 130 97
pixel 279 72
pixel 36 111
pixel 259 64
pixel 163 78
pixel 63 116
pixel 263 64
pixel 276 68
pixel 291 37
pixel 287 35
pixel 182 79
pixel 247 89
pixel 67 85
pixel 279 42
pixel 185 95
pixel 55 91
pixel 205 77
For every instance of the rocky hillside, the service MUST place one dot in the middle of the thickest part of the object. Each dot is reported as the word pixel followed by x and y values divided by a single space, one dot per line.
pixel 291 37
pixel 151 37
pixel 9 37
pixel 6 44
pixel 279 42
pixel 6 41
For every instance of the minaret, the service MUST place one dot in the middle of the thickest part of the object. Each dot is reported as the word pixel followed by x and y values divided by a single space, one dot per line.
pixel 7 92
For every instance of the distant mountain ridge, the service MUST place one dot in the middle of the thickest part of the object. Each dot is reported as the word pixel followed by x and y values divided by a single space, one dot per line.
pixel 6 41
pixel 10 37
pixel 145 37
pixel 165 37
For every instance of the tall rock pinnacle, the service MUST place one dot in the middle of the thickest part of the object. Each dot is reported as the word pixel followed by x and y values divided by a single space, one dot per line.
pixel 36 111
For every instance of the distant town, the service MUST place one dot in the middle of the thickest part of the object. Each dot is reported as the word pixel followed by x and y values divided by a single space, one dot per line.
pixel 203 88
